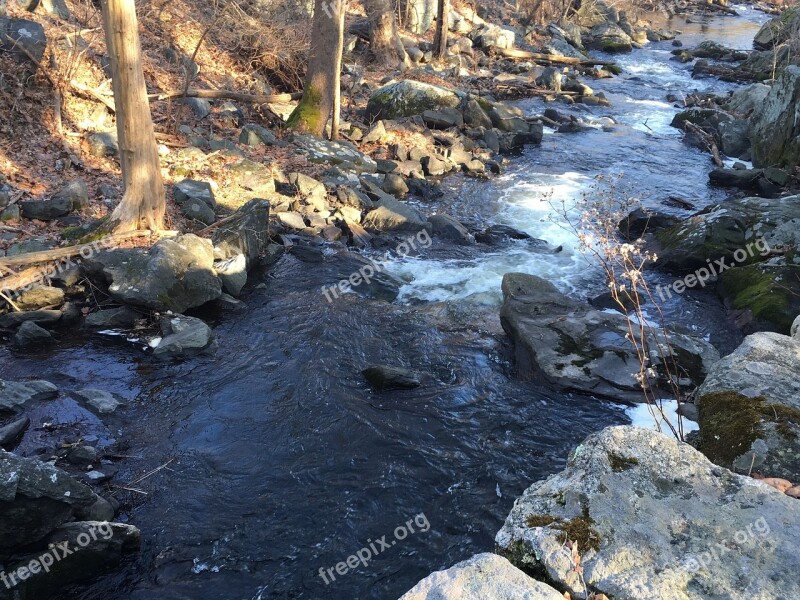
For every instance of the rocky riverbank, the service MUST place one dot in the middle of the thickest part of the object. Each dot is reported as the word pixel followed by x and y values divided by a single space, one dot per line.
pixel 239 207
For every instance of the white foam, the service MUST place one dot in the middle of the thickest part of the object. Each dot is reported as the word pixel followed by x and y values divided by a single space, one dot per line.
pixel 643 415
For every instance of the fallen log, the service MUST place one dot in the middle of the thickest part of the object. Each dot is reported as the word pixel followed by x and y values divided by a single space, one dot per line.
pixel 551 59
pixel 707 139
pixel 227 95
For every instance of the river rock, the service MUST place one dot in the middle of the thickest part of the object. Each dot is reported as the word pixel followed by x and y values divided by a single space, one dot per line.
pixel 443 118
pixel 232 272
pixel 641 220
pixel 385 377
pixel 749 408
pixel 795 331
pixel 100 401
pixel 734 137
pixel 37 497
pixel 30 336
pixel 14 394
pixel 254 135
pixel 720 230
pixel 48 209
pixel 655 519
pixel 407 98
pixel 447 227
pixel 108 544
pixel 395 185
pixel 196 199
pixel 184 337
pixel 250 179
pixel 774 129
pixel 175 274
pixel 576 347
pixel 40 296
pixel 42 318
pixel 103 143
pixel 474 114
pixel 609 37
pixel 764 296
pixel 493 36
pixel 10 433
pixel 246 233
pixel 744 179
pixel 393 215
pixel 745 99
pixel 112 318
pixel 482 577
pixel 778 30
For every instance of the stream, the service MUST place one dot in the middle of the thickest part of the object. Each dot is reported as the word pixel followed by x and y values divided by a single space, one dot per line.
pixel 285 461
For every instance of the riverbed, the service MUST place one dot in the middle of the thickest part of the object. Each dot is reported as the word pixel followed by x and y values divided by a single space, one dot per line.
pixel 285 462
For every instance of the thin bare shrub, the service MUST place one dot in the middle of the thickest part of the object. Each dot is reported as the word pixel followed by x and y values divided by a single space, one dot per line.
pixel 623 264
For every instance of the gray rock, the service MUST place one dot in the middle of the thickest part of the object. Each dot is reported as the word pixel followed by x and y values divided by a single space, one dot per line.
pixel 100 401
pixel 720 230
pixel 734 137
pixel 40 296
pixel 654 518
pixel 395 185
pixel 102 144
pixel 30 336
pixel 749 407
pixel 21 38
pixel 83 456
pixel 108 544
pixel 292 220
pixel 37 497
pixel 392 215
pixel 40 317
pixel 443 118
pixel 11 433
pixel 561 48
pixel 774 130
pixel 738 178
pixel 474 114
pixel 254 135
pixel 408 98
pixel 482 577
pixel 609 37
pixel 200 107
pixel 176 274
pixel 385 377
pixel 576 347
pixel 375 134
pixel 435 166
pixel 745 99
pixel 247 233
pixel 795 331
pixel 508 118
pixel 112 318
pixel 184 337
pixel 449 228
pixel 252 179
pixel 312 191
pixel 233 274
pixel 46 210
pixel 324 151
pixel 494 36
pixel 14 394
pixel 190 190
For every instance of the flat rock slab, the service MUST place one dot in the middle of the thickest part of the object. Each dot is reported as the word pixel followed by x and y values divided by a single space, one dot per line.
pixel 16 393
pixel 482 577
pixel 655 519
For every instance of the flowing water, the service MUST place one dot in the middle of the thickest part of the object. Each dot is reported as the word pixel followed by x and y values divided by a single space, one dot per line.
pixel 286 462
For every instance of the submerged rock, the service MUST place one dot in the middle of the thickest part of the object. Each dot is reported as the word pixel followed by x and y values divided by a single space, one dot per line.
pixel 14 394
pixel 749 407
pixel 31 337
pixel 482 577
pixel 384 377
pixel 100 401
pixel 654 518
pixel 184 337
pixel 577 347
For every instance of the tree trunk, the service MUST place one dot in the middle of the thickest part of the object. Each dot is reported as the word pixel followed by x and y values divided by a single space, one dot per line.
pixel 143 204
pixel 386 46
pixel 442 22
pixel 324 65
pixel 337 84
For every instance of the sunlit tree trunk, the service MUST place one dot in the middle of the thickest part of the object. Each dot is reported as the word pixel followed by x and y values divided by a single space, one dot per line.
pixel 442 21
pixel 324 65
pixel 337 84
pixel 143 204
pixel 385 44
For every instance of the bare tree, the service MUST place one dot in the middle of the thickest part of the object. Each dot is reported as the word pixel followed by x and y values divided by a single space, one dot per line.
pixel 385 44
pixel 324 65
pixel 143 204
pixel 442 22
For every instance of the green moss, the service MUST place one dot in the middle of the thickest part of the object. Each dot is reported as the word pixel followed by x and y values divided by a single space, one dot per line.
pixel 621 463
pixel 786 419
pixel 615 69
pixel 567 347
pixel 579 530
pixel 308 114
pixel 729 423
pixel 757 289
pixel 541 520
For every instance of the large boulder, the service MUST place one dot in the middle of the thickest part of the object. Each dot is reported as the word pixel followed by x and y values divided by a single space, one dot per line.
pixel 408 98
pixel 35 498
pixel 421 15
pixel 745 99
pixel 393 215
pixel 494 36
pixel 482 577
pixel 24 40
pixel 774 128
pixel 778 30
pixel 654 518
pixel 176 274
pixel 577 347
pixel 318 150
pixel 736 231
pixel 609 37
pixel 749 407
